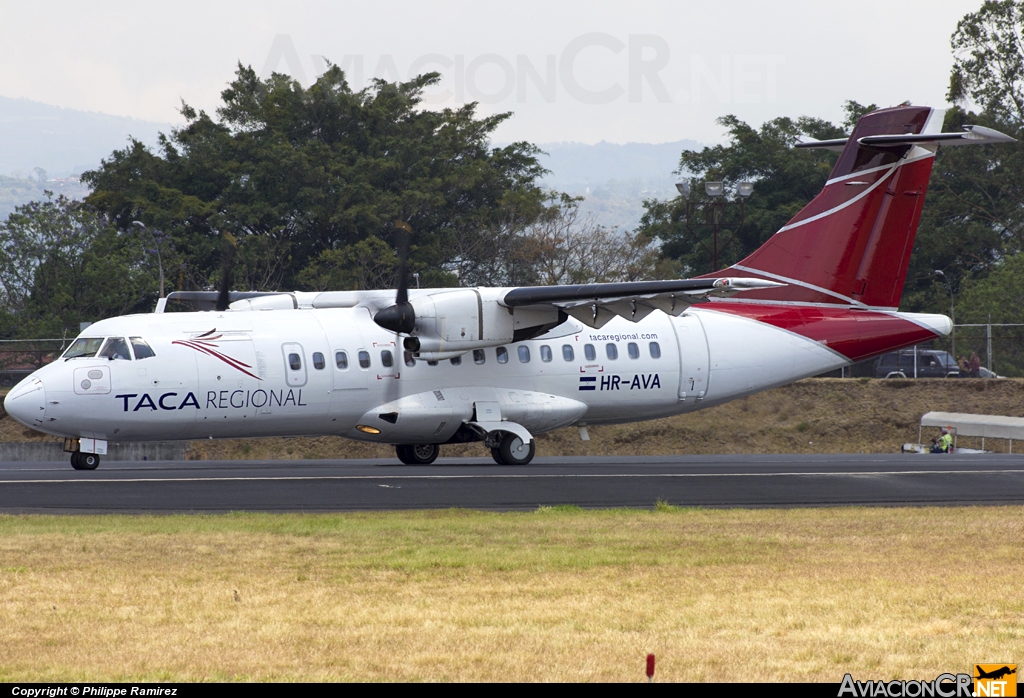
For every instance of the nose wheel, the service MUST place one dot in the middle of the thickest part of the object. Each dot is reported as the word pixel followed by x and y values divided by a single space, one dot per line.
pixel 84 461
pixel 418 454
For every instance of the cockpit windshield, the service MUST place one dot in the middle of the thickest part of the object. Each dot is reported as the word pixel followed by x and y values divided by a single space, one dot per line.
pixel 84 346
pixel 115 348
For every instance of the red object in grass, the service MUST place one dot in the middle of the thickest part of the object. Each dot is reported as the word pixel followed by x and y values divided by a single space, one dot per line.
pixel 650 666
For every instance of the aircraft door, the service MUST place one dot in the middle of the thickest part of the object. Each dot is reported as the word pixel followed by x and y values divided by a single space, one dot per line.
pixel 694 361
pixel 229 383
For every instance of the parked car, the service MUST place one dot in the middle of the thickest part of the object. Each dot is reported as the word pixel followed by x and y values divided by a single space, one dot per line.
pixel 931 363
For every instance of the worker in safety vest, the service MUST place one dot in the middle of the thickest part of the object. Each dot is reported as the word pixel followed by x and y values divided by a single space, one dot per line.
pixel 944 442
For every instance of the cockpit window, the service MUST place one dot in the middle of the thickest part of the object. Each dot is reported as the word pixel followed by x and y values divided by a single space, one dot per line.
pixel 115 348
pixel 84 347
pixel 141 348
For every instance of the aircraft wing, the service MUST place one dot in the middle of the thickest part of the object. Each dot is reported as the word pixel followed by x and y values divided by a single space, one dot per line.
pixel 592 304
pixel 595 304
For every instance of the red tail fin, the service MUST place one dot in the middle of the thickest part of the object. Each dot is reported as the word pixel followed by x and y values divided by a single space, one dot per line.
pixel 851 245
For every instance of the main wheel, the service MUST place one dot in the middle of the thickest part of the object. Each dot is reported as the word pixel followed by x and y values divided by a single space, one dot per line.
pixel 417 454
pixel 84 461
pixel 514 452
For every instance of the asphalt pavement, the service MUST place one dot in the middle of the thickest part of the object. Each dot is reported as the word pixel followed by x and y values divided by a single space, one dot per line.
pixel 360 485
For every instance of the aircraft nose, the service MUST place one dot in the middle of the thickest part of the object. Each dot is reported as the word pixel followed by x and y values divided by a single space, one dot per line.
pixel 27 402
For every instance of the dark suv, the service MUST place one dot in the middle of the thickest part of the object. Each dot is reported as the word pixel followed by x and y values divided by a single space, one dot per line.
pixel 931 363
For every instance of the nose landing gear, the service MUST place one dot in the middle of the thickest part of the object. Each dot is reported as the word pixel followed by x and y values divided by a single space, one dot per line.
pixel 84 461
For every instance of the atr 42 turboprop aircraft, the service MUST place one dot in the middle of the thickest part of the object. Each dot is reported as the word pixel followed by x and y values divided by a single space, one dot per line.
pixel 423 368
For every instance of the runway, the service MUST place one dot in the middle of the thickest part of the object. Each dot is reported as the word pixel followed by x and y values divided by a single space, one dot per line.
pixel 361 485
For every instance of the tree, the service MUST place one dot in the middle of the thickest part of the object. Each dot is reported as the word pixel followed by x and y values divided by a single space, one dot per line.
pixel 988 60
pixel 293 173
pixel 786 179
pixel 61 263
pixel 562 246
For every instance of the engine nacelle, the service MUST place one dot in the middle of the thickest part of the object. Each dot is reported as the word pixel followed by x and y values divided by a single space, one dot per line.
pixel 461 320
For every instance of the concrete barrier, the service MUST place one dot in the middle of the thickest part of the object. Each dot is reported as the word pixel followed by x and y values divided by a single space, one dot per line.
pixel 53 451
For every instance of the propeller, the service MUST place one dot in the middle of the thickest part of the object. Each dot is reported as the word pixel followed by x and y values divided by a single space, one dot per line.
pixel 227 261
pixel 400 318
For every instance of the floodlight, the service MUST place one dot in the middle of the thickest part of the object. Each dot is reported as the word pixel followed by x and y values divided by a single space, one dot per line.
pixel 684 189
pixel 745 189
pixel 714 188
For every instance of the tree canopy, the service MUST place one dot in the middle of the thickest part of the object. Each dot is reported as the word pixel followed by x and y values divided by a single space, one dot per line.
pixel 785 180
pixel 293 173
pixel 61 263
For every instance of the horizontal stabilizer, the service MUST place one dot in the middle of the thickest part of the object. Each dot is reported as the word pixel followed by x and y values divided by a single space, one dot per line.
pixel 972 135
pixel 835 144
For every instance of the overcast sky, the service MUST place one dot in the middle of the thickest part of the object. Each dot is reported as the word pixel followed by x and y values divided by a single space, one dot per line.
pixel 570 70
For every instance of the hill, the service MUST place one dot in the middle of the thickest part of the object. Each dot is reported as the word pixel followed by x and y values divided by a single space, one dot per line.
pixel 62 142
pixel 614 178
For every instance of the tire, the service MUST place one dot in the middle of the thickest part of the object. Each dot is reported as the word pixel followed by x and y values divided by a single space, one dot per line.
pixel 417 454
pixel 87 461
pixel 514 452
pixel 496 455
pixel 75 462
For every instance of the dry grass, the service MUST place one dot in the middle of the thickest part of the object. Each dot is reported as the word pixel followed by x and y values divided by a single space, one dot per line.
pixel 556 594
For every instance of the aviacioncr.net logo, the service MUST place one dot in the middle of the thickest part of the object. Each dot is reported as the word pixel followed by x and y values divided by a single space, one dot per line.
pixel 943 686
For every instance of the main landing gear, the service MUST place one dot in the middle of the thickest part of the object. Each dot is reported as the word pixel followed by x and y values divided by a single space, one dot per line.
pixel 512 451
pixel 509 450
pixel 84 461
pixel 417 454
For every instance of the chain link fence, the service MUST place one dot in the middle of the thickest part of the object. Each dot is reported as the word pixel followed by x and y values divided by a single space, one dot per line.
pixel 20 357
pixel 999 346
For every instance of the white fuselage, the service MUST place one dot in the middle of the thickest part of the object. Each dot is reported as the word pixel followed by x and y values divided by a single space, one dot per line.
pixel 246 382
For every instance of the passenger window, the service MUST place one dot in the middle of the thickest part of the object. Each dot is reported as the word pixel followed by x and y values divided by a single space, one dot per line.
pixel 502 353
pixel 567 353
pixel 294 362
pixel 545 353
pixel 456 360
pixel 524 354
pixel 410 360
pixel 634 350
pixel 141 348
pixel 590 352
pixel 318 361
pixel 612 351
pixel 387 358
pixel 655 350
pixel 341 360
pixel 116 349
pixel 364 359
pixel 479 356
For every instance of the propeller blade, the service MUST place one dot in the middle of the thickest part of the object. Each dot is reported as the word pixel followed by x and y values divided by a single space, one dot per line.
pixel 404 232
pixel 227 260
pixel 400 318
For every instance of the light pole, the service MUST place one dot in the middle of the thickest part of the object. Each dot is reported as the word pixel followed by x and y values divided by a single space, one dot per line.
pixel 159 261
pixel 714 213
pixel 952 314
